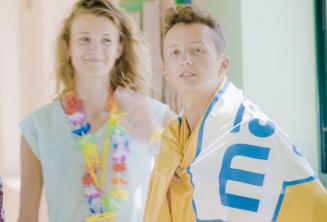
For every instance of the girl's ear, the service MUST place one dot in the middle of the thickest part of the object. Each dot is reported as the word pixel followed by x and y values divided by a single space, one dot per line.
pixel 120 50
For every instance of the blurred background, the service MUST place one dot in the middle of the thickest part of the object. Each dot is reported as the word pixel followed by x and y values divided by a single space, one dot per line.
pixel 278 57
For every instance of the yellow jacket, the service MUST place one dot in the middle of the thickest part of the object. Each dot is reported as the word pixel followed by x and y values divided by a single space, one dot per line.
pixel 237 165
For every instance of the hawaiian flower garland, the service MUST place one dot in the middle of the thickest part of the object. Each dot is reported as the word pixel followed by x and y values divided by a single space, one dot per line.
pixel 100 200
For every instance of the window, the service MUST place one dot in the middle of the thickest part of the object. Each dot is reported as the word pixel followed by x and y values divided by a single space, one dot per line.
pixel 322 76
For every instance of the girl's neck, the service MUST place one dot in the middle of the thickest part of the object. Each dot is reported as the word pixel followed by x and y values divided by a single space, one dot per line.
pixel 94 93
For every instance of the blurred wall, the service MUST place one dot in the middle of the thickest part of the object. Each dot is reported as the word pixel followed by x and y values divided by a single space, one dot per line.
pixel 272 46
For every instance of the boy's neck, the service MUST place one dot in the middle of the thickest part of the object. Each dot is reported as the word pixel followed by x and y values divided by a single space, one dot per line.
pixel 194 107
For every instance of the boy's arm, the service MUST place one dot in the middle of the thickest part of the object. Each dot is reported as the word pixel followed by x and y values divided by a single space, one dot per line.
pixel 168 159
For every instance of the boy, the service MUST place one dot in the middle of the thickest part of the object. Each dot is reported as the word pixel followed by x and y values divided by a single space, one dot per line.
pixel 233 162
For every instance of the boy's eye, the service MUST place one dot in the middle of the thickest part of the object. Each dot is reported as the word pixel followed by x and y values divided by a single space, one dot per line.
pixel 196 50
pixel 174 52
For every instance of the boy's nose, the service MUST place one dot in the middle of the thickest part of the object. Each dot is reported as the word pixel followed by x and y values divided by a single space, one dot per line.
pixel 186 60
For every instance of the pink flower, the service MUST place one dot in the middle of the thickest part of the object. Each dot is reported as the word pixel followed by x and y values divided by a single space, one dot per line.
pixel 72 103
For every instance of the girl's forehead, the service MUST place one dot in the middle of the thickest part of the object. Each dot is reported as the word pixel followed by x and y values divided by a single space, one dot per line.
pixel 90 22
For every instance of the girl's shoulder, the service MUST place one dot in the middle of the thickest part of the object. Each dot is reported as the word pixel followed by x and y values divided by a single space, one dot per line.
pixel 46 113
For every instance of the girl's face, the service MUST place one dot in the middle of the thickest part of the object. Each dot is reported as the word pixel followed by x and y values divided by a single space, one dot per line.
pixel 94 45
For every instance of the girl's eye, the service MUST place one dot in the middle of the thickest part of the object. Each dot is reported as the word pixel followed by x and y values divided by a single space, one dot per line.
pixel 84 39
pixel 106 41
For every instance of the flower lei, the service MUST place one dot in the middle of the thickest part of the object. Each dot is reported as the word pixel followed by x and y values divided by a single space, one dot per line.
pixel 99 199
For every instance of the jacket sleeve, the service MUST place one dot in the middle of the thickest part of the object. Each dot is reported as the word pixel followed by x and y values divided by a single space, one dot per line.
pixel 168 159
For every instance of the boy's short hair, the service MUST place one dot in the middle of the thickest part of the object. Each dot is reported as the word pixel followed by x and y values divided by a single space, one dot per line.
pixel 190 14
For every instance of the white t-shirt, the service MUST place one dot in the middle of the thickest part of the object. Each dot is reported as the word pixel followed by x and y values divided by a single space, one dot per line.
pixel 48 133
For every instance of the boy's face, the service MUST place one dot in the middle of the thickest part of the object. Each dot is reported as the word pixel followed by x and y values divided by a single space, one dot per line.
pixel 191 60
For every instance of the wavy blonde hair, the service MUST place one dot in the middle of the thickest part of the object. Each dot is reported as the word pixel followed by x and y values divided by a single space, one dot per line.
pixel 131 69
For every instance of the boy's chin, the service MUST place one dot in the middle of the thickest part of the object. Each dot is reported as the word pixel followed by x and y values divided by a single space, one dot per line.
pixel 187 91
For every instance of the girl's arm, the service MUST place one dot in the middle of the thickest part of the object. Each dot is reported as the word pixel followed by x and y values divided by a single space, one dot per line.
pixel 31 184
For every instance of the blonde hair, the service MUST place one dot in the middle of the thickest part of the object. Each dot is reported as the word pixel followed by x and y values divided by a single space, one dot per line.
pixel 190 14
pixel 131 69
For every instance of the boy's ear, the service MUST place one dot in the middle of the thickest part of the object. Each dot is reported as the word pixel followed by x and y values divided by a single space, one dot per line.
pixel 165 72
pixel 224 64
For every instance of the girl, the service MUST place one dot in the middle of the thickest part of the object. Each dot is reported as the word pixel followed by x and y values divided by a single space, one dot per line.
pixel 68 145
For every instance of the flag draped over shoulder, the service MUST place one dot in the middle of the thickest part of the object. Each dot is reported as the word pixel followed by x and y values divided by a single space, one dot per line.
pixel 237 165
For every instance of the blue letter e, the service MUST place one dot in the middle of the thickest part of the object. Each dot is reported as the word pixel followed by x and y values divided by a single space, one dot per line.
pixel 228 173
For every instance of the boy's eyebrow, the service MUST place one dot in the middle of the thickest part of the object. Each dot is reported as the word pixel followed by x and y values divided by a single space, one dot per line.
pixel 197 42
pixel 193 42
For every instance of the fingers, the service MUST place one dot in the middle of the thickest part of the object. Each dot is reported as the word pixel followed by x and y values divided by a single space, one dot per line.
pixel 177 175
pixel 176 178
pixel 140 121
pixel 127 99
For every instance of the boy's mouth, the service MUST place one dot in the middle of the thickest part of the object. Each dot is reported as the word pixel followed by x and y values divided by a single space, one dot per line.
pixel 186 75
